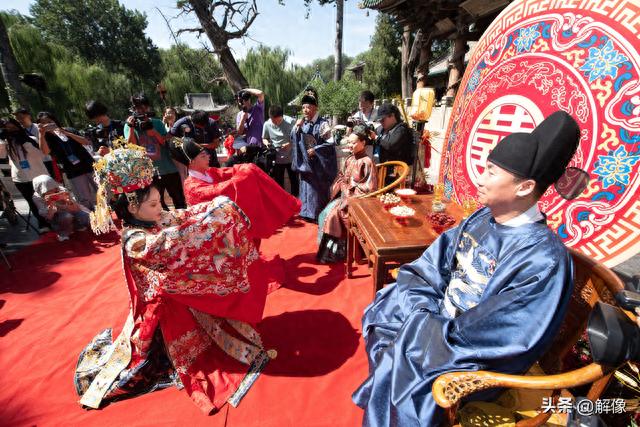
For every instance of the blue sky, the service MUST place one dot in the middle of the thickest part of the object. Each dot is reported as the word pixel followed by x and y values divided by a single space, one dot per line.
pixel 277 25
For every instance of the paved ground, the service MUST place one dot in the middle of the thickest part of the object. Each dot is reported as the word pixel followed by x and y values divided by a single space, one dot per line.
pixel 16 237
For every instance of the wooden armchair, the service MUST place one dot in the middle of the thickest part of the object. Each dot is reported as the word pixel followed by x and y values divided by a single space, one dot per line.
pixel 401 169
pixel 592 282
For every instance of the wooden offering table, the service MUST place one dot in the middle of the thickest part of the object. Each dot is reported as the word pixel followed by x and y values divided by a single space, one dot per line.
pixel 385 240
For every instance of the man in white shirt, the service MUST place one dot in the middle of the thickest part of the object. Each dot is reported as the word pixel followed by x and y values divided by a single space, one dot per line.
pixel 366 111
pixel 276 133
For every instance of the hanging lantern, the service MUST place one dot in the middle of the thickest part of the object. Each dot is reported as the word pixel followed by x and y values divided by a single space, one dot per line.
pixel 422 103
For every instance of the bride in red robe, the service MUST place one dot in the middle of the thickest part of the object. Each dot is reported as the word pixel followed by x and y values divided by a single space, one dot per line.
pixel 266 204
pixel 197 288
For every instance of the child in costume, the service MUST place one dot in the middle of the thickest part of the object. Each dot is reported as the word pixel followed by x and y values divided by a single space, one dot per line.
pixel 197 288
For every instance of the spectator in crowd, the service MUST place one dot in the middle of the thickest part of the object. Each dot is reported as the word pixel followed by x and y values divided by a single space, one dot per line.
pixel 23 116
pixel 366 113
pixel 276 133
pixel 26 160
pixel 169 117
pixel 314 157
pixel 59 207
pixel 394 140
pixel 107 130
pixel 249 122
pixel 203 129
pixel 150 133
pixel 68 150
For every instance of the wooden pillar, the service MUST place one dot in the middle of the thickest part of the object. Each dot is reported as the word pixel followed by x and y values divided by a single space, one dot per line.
pixel 456 63
pixel 422 69
pixel 406 69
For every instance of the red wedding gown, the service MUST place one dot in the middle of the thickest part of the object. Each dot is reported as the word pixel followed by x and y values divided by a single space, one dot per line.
pixel 266 204
pixel 197 287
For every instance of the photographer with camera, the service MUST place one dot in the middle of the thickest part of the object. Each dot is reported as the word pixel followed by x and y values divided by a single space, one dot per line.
pixel 26 160
pixel 69 151
pixel 394 139
pixel 150 133
pixel 202 129
pixel 23 116
pixel 106 130
pixel 250 118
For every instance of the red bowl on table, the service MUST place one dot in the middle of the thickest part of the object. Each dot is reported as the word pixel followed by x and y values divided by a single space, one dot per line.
pixel 402 213
pixel 440 221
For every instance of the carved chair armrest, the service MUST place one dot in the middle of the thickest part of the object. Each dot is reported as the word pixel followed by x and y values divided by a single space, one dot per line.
pixel 449 388
pixel 399 182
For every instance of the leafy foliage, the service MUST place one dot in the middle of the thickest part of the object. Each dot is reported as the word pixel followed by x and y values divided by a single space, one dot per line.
pixel 339 98
pixel 187 70
pixel 382 70
pixel 100 31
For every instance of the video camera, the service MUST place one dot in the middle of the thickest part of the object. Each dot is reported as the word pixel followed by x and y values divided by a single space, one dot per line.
pixel 142 121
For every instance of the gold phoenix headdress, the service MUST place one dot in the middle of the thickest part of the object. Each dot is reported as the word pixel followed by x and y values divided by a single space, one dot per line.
pixel 123 170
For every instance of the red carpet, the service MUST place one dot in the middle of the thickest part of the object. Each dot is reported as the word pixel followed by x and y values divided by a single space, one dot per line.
pixel 60 295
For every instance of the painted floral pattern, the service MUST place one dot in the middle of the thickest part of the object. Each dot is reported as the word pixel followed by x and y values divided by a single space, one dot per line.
pixel 526 38
pixel 602 62
pixel 616 168
pixel 474 81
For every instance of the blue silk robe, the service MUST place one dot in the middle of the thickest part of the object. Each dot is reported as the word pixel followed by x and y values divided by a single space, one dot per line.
pixel 317 172
pixel 484 296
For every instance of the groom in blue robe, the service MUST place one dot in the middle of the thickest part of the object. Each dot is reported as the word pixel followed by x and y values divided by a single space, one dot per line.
pixel 487 295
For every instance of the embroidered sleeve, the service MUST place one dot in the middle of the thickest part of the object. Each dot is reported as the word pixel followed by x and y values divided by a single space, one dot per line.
pixel 208 252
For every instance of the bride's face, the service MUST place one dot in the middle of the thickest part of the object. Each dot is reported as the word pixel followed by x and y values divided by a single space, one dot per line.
pixel 150 209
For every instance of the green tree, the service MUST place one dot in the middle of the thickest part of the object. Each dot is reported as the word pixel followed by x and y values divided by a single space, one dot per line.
pixel 9 69
pixel 268 69
pixel 339 98
pixel 70 80
pixel 382 69
pixel 100 31
pixel 222 21
pixel 326 66
pixel 191 70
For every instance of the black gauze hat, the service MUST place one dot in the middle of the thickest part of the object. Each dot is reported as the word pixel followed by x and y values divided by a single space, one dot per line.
pixel 184 149
pixel 310 96
pixel 542 155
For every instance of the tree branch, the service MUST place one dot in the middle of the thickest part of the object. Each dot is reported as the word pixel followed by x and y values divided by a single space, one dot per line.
pixel 198 30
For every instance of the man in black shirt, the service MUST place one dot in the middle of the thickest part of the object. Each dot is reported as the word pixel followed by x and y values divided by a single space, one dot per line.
pixel 203 129
pixel 394 140
pixel 107 130
pixel 68 149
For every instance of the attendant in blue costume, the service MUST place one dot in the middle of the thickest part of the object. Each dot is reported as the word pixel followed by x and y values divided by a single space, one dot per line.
pixel 487 295
pixel 314 157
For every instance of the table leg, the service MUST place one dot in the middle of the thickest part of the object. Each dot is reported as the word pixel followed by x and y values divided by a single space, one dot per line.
pixel 379 272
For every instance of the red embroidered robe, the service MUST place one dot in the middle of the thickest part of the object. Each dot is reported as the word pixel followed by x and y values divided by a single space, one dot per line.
pixel 200 280
pixel 266 204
